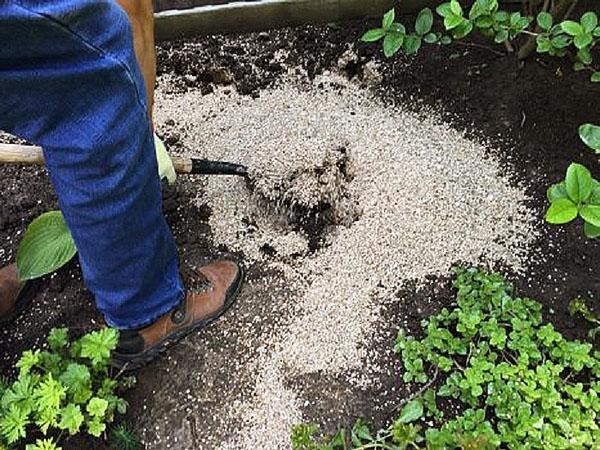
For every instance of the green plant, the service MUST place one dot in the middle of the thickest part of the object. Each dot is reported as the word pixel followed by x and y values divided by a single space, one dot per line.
pixel 501 26
pixel 578 306
pixel 519 382
pixel 66 389
pixel 577 196
pixel 123 438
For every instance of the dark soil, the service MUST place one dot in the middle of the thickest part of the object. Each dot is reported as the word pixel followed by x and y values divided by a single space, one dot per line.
pixel 531 110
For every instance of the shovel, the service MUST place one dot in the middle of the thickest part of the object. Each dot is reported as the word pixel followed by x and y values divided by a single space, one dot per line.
pixel 31 155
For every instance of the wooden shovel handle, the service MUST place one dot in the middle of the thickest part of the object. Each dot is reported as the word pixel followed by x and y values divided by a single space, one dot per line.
pixel 32 155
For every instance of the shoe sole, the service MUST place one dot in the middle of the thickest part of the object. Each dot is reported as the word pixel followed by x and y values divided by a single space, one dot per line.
pixel 134 362
pixel 24 299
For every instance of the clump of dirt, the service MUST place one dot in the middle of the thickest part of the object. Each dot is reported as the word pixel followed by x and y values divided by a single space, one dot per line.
pixel 313 195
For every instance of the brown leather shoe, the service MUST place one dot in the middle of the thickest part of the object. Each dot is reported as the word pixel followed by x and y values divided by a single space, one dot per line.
pixel 15 295
pixel 211 290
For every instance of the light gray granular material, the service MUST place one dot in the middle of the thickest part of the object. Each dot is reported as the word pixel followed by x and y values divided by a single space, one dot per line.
pixel 415 196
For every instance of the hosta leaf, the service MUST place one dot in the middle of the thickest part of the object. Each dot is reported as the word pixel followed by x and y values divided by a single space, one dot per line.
pixel 591 214
pixel 373 35
pixel 578 183
pixel 590 135
pixel 595 78
pixel 561 211
pixel 411 412
pixel 46 246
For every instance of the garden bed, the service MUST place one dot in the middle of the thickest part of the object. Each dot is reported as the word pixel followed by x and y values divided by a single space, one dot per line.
pixel 457 115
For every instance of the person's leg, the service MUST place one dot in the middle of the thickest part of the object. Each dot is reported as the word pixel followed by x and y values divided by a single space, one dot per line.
pixel 69 81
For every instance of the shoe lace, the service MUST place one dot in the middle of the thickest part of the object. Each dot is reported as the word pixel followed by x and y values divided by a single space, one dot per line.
pixel 194 280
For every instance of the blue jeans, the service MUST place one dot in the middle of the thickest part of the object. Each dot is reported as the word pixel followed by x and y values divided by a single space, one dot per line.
pixel 69 81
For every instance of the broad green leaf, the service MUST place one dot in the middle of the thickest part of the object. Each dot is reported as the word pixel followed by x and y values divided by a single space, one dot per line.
pixel 578 183
pixel 589 21
pixel 591 214
pixel 411 412
pixel 571 28
pixel 46 246
pixel 561 211
pixel 596 32
pixel 444 9
pixel 412 44
pixel 544 20
pixel 424 22
pixel 166 170
pixel 578 66
pixel 591 231
pixel 388 19
pixel 446 40
pixel 595 78
pixel 556 192
pixel 590 135
pixel 456 8
pixel 392 43
pixel 373 35
pixel 583 40
pixel 452 21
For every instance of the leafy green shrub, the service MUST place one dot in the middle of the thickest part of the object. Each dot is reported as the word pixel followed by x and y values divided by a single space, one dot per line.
pixel 579 194
pixel 520 383
pixel 66 389
pixel 501 26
